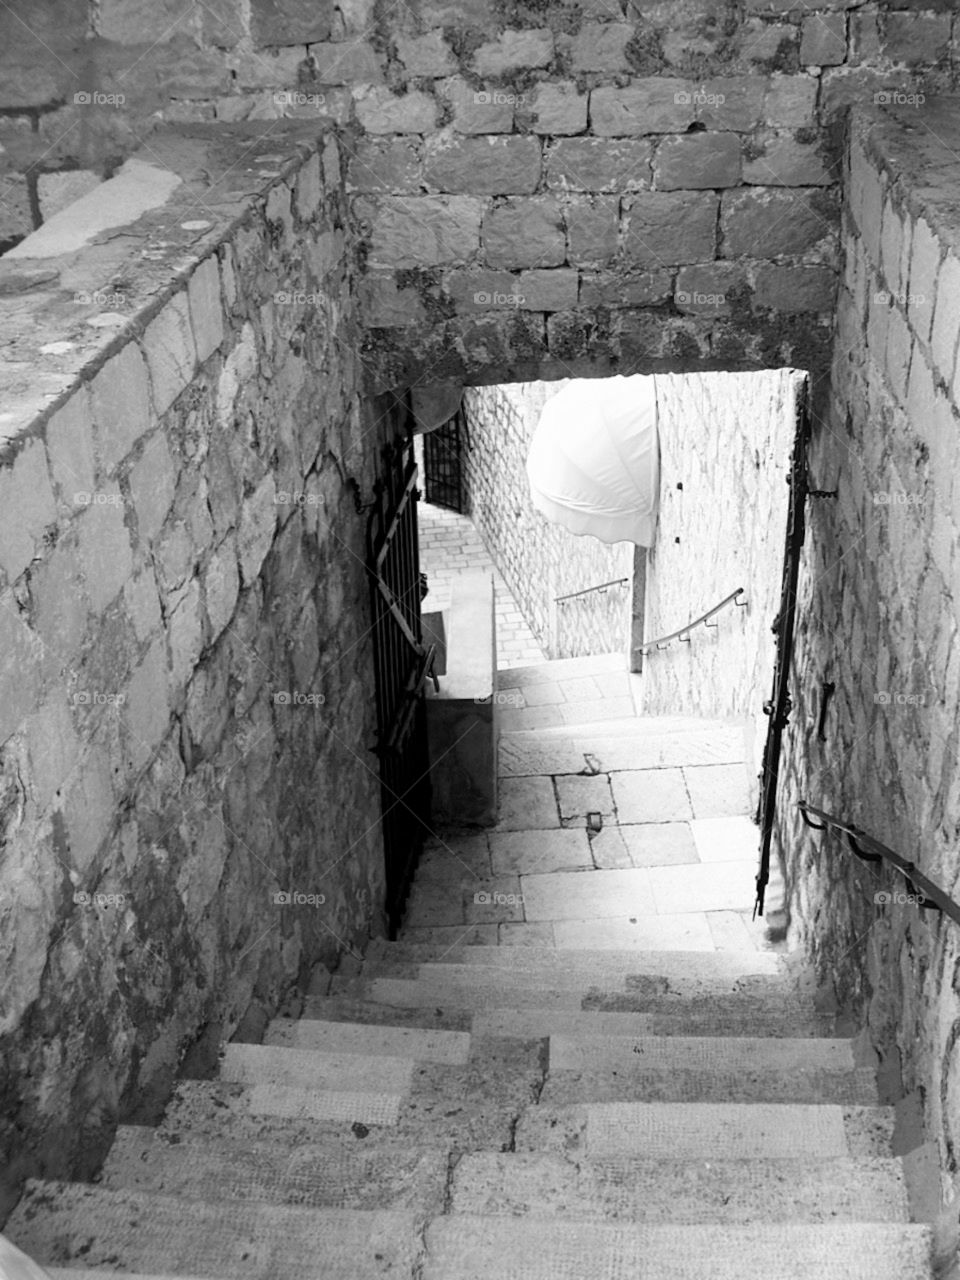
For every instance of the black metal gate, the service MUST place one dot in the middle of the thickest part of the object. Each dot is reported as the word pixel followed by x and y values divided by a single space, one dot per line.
pixel 402 664
pixel 442 469
pixel 779 706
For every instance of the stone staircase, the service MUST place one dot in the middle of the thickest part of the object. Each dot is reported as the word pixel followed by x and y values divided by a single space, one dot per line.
pixel 580 1060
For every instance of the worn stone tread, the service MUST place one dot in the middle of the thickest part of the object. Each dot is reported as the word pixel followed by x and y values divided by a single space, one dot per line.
pixel 349 1173
pixel 699 1053
pixel 681 964
pixel 707 1131
pixel 59 1222
pixel 413 1043
pixel 669 1190
pixel 258 1064
pixel 467 1247
pixel 678 1084
pixel 506 1021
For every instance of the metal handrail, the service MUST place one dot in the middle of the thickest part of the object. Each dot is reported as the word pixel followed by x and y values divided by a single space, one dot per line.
pixel 615 582
pixel 663 641
pixel 869 849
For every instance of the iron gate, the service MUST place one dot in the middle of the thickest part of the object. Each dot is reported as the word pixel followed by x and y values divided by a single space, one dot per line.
pixel 442 468
pixel 402 666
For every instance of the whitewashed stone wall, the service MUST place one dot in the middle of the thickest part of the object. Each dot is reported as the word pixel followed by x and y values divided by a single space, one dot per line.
pixel 725 442
pixel 539 560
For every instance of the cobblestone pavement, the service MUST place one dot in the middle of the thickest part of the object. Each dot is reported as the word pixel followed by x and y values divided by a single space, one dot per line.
pixel 449 545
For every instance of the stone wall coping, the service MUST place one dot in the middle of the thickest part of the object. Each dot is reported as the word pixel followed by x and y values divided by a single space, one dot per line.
pixel 918 150
pixel 63 317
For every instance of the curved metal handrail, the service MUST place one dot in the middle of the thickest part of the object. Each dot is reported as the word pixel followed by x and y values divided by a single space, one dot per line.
pixel 663 641
pixel 615 582
pixel 869 849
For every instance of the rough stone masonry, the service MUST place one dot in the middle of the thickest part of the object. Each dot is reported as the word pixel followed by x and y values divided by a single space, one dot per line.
pixel 485 192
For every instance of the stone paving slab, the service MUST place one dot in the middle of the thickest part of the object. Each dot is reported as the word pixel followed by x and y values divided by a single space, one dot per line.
pixel 59 1222
pixel 658 844
pixel 651 795
pixel 608 849
pixel 694 1130
pixel 342 1105
pixel 470 854
pixel 717 790
pixel 578 796
pixel 257 1064
pixel 527 804
pixel 725 839
pixel 466 1247
pixel 596 710
pixel 349 1174
pixel 716 886
pixel 688 931
pixel 561 669
pixel 626 745
pixel 617 981
pixel 587 894
pixel 416 1043
pixel 526 934
pixel 736 930
pixel 514 852
pixel 695 1191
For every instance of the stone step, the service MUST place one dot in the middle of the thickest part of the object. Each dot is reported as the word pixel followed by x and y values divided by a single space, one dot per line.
pixel 698 1021
pixel 696 1053
pixel 653 1084
pixel 707 1131
pixel 344 1038
pixel 350 1008
pixel 704 1069
pixel 469 1247
pixel 377 1172
pixel 269 1065
pixel 677 983
pixel 697 1191
pixel 58 1222
pixel 734 1008
pixel 469 1107
pixel 706 964
pixel 553 669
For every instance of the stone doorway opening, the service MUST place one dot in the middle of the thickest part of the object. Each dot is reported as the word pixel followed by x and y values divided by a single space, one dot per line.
pixel 725 441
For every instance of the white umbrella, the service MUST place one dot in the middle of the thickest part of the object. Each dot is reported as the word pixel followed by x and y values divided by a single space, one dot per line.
pixel 594 461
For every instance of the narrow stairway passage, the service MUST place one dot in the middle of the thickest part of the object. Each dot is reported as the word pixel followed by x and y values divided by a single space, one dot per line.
pixel 579 1060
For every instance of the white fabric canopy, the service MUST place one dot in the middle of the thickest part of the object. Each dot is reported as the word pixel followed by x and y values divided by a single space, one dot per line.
pixel 594 461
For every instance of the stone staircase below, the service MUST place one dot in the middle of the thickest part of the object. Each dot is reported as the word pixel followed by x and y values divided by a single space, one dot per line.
pixel 581 1061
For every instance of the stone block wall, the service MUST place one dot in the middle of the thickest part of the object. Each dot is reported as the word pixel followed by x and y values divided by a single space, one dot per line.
pixel 185 672
pixel 638 184
pixel 725 443
pixel 878 617
pixel 539 560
